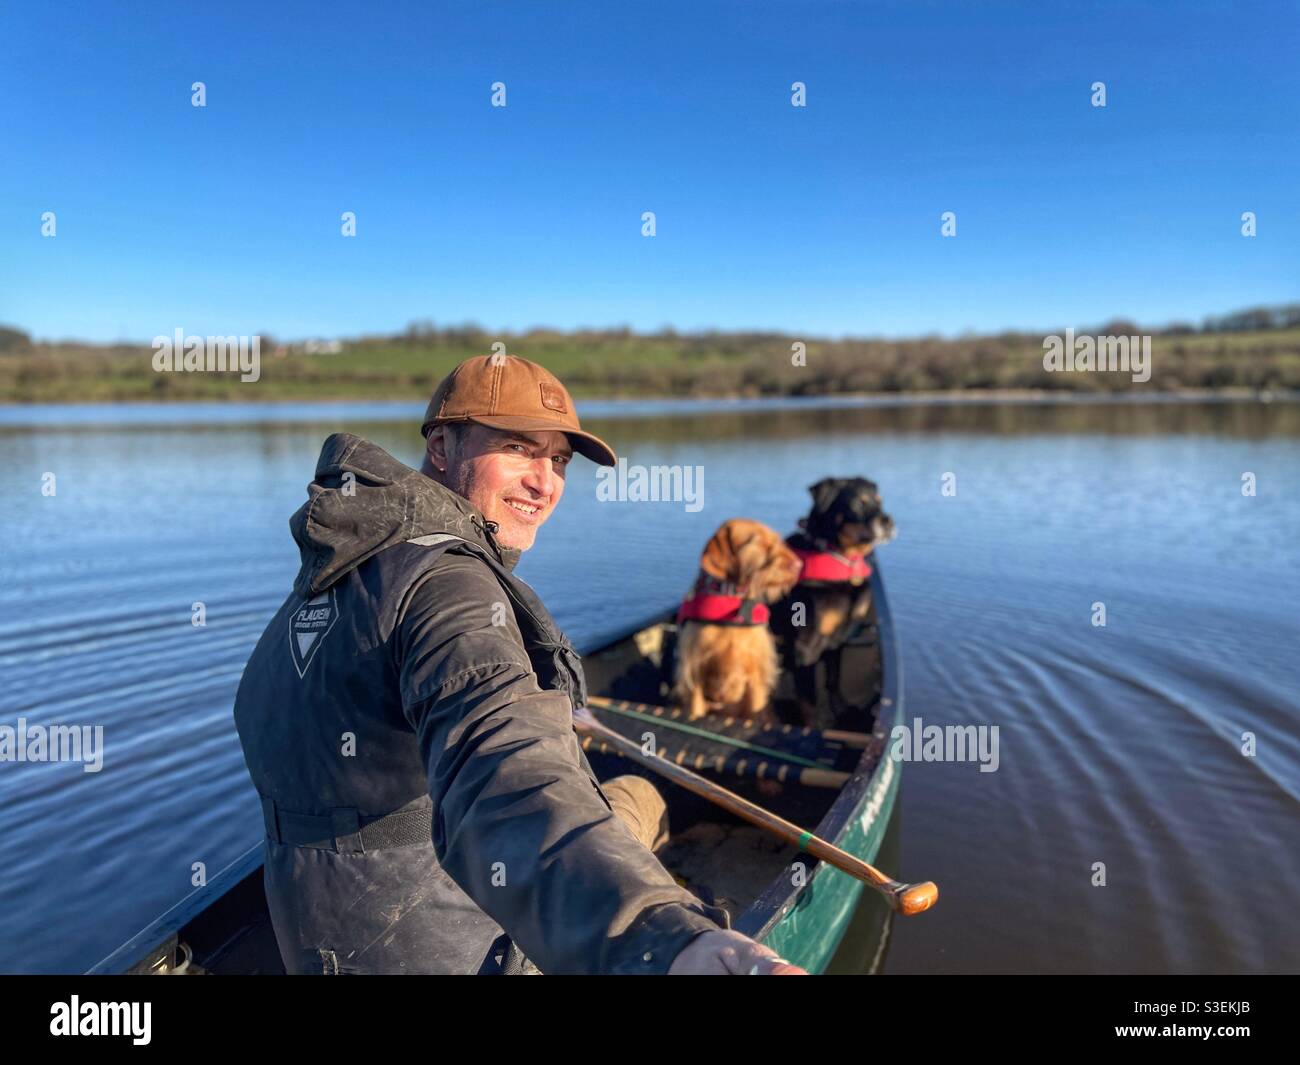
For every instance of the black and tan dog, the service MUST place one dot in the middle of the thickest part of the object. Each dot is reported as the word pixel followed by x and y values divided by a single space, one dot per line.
pixel 833 594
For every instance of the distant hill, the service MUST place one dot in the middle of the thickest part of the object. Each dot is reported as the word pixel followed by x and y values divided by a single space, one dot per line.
pixel 1257 349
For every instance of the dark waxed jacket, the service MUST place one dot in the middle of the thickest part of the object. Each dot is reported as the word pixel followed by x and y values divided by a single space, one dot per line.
pixel 418 695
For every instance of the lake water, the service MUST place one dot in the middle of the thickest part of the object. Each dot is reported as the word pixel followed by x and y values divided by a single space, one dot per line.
pixel 1120 744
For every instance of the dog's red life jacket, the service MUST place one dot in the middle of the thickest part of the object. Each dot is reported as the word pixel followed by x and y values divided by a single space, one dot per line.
pixel 718 603
pixel 831 568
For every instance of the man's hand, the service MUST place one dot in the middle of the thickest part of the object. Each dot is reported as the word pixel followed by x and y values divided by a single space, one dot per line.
pixel 726 953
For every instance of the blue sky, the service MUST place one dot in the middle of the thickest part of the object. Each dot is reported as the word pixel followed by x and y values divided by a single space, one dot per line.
pixel 823 220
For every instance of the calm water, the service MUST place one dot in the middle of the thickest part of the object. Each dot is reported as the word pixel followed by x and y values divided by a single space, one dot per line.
pixel 1119 745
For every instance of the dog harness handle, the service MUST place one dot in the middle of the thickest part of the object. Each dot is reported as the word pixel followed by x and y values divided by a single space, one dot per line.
pixel 718 602
pixel 832 567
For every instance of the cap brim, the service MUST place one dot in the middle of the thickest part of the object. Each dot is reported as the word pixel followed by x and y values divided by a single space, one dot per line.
pixel 593 447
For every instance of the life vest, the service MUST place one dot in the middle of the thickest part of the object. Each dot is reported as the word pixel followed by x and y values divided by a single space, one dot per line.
pixel 307 887
pixel 830 567
pixel 718 602
pixel 550 653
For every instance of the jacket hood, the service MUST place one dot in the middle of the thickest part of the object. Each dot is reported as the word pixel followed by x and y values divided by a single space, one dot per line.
pixel 347 520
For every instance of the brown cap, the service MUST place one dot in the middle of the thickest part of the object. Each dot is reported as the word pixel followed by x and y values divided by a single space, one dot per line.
pixel 505 392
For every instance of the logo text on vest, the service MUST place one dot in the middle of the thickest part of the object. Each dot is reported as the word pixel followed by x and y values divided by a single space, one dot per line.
pixel 308 627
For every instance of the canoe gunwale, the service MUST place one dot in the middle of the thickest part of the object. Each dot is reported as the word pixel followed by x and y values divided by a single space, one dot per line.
pixel 781 896
pixel 154 936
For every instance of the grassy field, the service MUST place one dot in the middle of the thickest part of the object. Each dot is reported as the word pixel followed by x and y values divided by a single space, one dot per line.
pixel 616 363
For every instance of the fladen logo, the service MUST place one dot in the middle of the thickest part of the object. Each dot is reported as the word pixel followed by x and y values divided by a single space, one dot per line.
pixel 308 627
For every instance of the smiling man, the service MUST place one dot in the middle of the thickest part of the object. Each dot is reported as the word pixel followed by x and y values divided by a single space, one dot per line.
pixel 500 470
pixel 406 719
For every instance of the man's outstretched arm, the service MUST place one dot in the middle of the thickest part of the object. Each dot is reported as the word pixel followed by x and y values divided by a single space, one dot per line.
pixel 518 823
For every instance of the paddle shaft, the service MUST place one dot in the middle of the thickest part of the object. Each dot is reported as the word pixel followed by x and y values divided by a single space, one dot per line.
pixel 905 898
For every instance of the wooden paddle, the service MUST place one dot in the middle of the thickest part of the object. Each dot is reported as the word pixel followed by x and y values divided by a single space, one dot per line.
pixel 906 899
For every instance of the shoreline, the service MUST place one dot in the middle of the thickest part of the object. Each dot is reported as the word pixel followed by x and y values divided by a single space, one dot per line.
pixel 951 395
pixel 221 412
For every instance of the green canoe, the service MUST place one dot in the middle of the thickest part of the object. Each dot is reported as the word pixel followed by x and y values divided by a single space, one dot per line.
pixel 811 914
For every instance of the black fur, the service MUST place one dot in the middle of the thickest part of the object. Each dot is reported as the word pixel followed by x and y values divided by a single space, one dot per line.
pixel 846 511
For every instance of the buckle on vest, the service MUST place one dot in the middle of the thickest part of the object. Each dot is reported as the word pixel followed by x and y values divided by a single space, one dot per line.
pixel 269 819
pixel 345 823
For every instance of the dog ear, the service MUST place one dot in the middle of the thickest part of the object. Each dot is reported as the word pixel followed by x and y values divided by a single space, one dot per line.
pixel 719 558
pixel 824 493
pixel 753 551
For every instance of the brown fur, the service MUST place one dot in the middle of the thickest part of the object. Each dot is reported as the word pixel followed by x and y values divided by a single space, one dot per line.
pixel 732 669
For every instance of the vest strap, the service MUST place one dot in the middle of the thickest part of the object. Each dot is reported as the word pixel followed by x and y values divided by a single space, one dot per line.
pixel 345 831
pixel 434 539
pixel 723 610
pixel 719 602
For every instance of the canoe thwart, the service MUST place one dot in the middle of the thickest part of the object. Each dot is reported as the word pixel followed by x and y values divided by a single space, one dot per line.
pixel 730 745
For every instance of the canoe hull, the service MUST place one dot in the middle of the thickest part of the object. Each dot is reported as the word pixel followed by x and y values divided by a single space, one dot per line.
pixel 810 933
pixel 227 929
pixel 809 925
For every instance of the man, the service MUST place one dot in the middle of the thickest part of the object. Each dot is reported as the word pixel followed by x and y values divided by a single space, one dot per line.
pixel 407 721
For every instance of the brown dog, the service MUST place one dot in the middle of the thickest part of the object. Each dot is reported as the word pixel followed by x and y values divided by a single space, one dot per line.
pixel 726 657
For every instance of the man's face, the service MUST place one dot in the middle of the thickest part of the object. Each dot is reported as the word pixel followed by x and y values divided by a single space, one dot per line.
pixel 516 479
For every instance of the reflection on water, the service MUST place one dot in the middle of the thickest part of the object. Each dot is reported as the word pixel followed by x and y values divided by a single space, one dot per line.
pixel 1119 745
pixel 1253 420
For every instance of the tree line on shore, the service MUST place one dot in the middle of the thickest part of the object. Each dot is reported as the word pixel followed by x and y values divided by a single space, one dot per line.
pixel 1257 349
